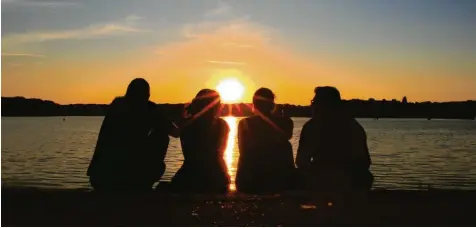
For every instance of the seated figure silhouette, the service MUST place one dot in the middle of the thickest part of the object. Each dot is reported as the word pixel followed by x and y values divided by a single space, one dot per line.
pixel 266 163
pixel 158 142
pixel 203 138
pixel 121 158
pixel 333 154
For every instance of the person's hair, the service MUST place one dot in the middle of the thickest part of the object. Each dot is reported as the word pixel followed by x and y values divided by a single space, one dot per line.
pixel 138 89
pixel 263 100
pixel 206 103
pixel 326 97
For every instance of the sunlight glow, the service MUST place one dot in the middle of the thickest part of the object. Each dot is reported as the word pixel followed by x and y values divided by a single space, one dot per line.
pixel 231 90
pixel 229 156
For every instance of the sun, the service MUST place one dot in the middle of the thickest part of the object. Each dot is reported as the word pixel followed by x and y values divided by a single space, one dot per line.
pixel 231 90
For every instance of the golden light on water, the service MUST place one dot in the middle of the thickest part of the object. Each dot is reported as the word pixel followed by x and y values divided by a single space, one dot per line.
pixel 230 151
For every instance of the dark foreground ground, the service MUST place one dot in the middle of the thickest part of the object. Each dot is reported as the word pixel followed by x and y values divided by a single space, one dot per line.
pixel 35 207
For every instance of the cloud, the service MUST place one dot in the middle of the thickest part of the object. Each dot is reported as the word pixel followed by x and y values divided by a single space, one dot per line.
pixel 16 65
pixel 226 62
pixel 219 42
pixel 23 55
pixel 229 28
pixel 254 53
pixel 223 9
pixel 133 18
pixel 237 45
pixel 122 27
pixel 37 3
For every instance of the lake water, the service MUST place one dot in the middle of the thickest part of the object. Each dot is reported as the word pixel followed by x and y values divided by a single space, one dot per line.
pixel 406 154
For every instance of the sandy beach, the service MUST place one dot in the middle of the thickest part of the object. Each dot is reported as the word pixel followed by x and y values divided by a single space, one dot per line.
pixel 48 207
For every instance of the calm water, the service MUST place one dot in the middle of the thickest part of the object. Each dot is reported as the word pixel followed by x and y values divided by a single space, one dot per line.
pixel 50 152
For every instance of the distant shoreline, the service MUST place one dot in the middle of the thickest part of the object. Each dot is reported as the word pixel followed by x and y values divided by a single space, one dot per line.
pixel 376 109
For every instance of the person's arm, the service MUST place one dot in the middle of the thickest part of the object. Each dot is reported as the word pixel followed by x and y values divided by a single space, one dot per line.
pixel 162 122
pixel 157 149
pixel 174 130
pixel 288 130
pixel 305 149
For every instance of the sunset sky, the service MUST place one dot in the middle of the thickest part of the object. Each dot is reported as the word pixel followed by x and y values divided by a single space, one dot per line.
pixel 87 51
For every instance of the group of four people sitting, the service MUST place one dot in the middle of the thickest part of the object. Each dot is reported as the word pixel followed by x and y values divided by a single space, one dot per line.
pixel 134 138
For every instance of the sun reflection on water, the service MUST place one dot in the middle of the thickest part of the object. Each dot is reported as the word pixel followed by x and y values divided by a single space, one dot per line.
pixel 230 153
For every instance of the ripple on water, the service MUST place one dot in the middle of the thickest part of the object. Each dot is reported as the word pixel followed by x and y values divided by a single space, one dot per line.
pixel 406 154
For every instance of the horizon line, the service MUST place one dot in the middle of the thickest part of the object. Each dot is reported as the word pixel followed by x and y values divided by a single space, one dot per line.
pixel 235 103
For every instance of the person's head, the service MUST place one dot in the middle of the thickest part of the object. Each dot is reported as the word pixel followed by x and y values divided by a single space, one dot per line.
pixel 138 90
pixel 263 100
pixel 326 98
pixel 206 103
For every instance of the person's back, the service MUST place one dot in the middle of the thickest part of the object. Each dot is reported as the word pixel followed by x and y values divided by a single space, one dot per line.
pixel 116 163
pixel 266 163
pixel 203 142
pixel 333 151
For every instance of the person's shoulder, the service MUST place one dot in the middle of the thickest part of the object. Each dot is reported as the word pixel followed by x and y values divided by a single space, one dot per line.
pixel 311 122
pixel 155 109
pixel 250 120
pixel 152 104
pixel 247 119
pixel 118 103
pixel 117 100
pixel 221 122
pixel 357 127
pixel 282 121
pixel 356 124
pixel 253 117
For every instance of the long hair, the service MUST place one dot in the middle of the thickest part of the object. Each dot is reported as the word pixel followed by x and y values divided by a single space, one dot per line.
pixel 138 90
pixel 206 104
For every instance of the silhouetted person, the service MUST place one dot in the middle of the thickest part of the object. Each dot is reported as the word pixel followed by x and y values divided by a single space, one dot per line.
pixel 266 163
pixel 158 142
pixel 203 138
pixel 121 160
pixel 333 153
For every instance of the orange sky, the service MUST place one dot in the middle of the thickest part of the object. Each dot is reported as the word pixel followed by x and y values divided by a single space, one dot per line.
pixel 206 52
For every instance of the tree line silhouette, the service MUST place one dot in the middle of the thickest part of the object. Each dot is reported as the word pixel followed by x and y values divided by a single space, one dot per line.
pixel 371 108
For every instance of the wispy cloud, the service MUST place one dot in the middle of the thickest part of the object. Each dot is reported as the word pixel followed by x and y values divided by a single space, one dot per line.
pixel 133 18
pixel 23 55
pixel 226 62
pixel 223 9
pixel 39 3
pixel 225 39
pixel 227 28
pixel 122 27
pixel 15 65
pixel 237 45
